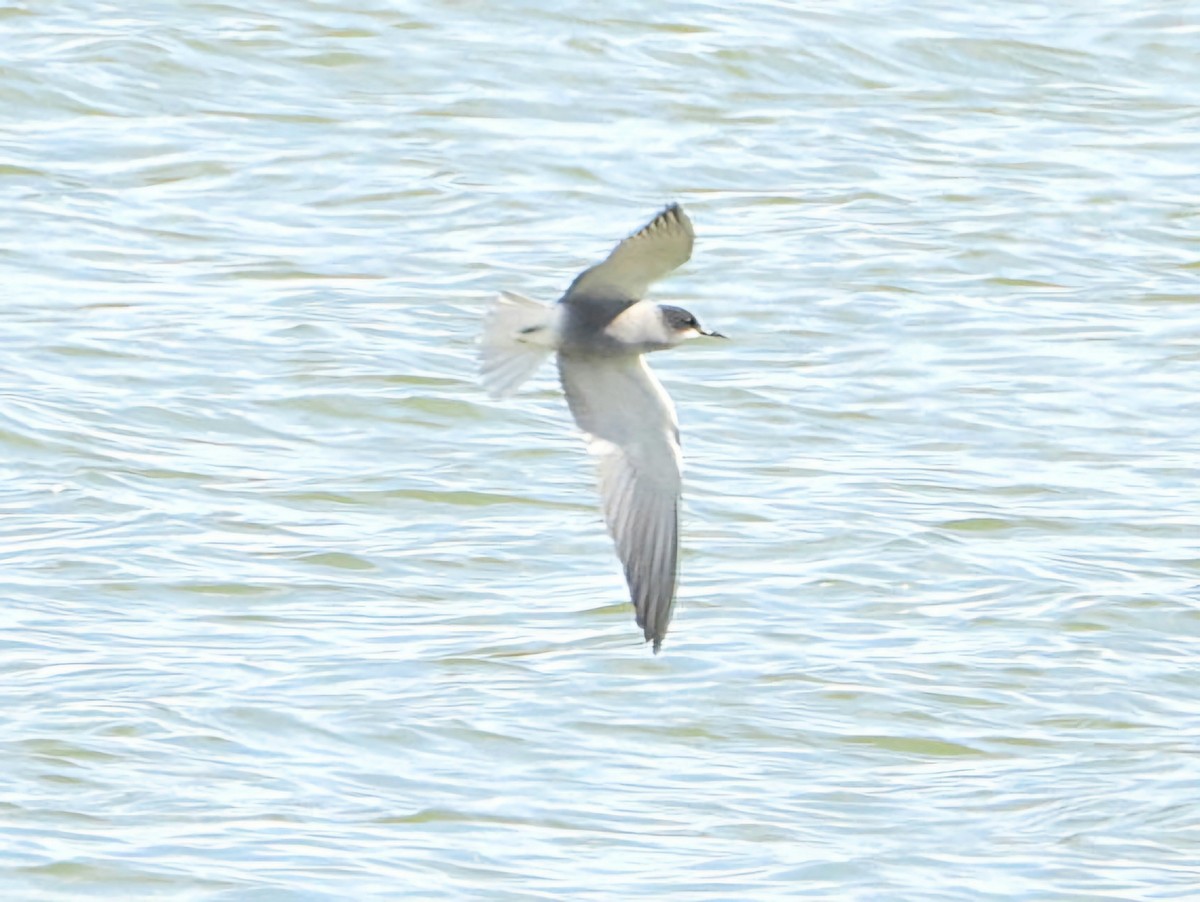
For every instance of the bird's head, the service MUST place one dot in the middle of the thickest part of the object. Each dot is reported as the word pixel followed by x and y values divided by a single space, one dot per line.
pixel 681 325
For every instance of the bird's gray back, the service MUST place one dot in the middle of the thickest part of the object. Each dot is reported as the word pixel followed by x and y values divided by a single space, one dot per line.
pixel 585 319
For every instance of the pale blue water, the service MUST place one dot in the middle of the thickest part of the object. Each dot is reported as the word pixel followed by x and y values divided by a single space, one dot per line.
pixel 291 611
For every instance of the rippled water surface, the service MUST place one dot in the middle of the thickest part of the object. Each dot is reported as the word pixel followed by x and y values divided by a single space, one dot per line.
pixel 292 611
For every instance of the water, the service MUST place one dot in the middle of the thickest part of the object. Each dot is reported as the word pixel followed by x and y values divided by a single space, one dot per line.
pixel 293 612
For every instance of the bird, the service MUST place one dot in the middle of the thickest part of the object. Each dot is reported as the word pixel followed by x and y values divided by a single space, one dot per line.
pixel 599 331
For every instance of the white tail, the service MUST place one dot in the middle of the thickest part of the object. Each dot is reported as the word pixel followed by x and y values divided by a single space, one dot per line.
pixel 517 335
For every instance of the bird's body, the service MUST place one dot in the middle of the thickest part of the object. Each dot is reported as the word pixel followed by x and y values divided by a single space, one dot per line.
pixel 600 329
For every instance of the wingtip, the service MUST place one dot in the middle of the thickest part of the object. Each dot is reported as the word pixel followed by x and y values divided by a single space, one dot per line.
pixel 671 216
pixel 655 638
pixel 674 210
pixel 650 635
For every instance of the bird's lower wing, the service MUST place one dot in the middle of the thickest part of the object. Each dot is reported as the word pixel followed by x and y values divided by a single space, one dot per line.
pixel 630 426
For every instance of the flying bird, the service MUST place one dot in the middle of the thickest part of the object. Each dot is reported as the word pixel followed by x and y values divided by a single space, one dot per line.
pixel 599 330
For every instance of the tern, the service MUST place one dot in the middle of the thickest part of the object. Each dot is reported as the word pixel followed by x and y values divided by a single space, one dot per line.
pixel 600 329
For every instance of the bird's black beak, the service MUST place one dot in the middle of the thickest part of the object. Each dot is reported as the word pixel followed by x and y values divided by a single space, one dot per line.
pixel 711 334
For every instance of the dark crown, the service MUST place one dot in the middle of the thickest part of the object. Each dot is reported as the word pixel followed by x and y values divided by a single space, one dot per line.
pixel 678 319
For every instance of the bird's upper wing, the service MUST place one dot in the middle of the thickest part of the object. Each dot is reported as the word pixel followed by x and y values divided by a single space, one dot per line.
pixel 663 244
pixel 631 427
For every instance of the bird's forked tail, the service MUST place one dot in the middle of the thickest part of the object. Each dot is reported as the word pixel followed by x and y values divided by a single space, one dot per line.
pixel 518 334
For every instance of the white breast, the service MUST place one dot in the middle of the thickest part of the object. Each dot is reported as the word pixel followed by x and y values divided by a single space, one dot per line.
pixel 640 326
